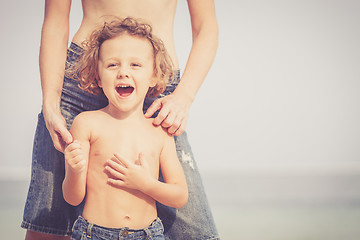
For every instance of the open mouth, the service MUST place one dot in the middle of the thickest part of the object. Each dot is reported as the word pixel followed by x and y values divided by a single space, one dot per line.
pixel 124 90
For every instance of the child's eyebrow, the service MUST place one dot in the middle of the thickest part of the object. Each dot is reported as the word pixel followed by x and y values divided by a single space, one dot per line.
pixel 109 59
pixel 138 59
pixel 131 59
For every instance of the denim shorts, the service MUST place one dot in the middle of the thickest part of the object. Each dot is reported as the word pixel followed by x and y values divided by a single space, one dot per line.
pixel 82 230
pixel 46 210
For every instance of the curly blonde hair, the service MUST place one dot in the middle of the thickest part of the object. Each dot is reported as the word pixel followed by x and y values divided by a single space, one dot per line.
pixel 86 69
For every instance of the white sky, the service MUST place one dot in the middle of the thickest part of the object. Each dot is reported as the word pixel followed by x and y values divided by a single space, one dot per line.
pixel 283 93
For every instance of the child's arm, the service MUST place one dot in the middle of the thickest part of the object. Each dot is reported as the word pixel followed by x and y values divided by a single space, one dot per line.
pixel 76 163
pixel 172 193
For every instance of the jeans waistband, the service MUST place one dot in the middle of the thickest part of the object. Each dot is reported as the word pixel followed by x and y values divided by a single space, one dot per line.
pixel 155 228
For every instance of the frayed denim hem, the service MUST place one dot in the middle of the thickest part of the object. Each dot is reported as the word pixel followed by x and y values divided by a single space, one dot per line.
pixel 42 229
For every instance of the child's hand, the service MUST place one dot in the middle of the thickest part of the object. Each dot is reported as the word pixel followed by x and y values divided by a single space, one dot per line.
pixel 74 157
pixel 124 173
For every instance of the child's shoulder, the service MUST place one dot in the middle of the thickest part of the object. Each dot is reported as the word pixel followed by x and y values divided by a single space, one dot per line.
pixel 159 130
pixel 88 116
pixel 161 136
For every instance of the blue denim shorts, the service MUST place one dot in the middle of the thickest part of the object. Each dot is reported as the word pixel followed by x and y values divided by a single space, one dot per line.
pixel 46 210
pixel 84 230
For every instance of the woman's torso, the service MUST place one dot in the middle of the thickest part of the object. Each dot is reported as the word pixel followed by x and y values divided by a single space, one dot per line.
pixel 158 13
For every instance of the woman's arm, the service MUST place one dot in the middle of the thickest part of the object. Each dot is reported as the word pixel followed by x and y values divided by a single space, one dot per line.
pixel 205 41
pixel 52 58
pixel 76 162
pixel 175 107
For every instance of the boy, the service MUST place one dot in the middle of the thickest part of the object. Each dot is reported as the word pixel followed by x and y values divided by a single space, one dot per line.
pixel 115 158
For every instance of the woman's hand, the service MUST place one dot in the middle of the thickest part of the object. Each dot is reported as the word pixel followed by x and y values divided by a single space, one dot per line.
pixel 56 125
pixel 173 115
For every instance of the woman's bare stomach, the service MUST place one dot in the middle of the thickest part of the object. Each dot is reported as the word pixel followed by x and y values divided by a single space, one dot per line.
pixel 158 13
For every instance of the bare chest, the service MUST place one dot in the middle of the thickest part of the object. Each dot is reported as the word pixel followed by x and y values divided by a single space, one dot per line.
pixel 127 142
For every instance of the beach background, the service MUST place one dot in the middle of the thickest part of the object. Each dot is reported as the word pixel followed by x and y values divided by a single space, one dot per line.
pixel 274 129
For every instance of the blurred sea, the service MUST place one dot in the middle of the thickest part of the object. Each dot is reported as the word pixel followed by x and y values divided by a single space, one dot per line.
pixel 250 206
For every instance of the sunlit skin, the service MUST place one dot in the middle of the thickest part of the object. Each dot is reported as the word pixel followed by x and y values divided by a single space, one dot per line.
pixel 117 151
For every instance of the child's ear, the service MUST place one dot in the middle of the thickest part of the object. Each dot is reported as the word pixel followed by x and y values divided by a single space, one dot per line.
pixel 98 81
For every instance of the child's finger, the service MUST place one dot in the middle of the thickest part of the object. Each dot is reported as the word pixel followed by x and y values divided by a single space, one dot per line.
pixel 122 160
pixel 80 165
pixel 77 159
pixel 116 182
pixel 73 153
pixel 116 166
pixel 114 173
pixel 73 146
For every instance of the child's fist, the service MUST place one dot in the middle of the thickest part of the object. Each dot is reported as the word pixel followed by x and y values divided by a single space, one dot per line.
pixel 74 157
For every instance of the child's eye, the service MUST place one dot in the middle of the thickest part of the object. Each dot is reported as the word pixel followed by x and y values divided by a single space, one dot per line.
pixel 136 65
pixel 112 65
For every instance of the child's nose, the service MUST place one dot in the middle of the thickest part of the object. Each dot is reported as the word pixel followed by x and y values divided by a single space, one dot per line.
pixel 123 73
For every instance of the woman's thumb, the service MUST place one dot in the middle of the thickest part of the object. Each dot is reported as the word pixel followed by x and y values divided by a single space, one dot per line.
pixel 66 135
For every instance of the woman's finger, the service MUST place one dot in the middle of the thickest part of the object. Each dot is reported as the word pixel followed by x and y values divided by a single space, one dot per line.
pixel 175 126
pixel 61 137
pixel 169 120
pixel 181 128
pixel 164 112
pixel 65 134
pixel 57 142
pixel 156 105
